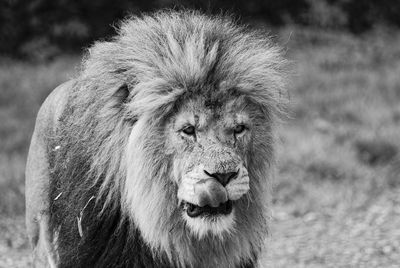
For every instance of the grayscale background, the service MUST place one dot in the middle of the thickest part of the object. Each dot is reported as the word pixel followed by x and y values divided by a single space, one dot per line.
pixel 337 194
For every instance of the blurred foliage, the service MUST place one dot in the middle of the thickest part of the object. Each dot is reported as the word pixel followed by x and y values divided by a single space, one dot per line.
pixel 40 28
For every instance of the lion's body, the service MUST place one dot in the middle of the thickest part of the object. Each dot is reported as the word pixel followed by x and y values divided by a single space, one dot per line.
pixel 104 168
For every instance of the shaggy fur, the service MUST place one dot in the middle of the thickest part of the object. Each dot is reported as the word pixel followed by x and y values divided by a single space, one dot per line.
pixel 110 143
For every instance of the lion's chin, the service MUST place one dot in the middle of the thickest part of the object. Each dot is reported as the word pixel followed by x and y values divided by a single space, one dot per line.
pixel 216 221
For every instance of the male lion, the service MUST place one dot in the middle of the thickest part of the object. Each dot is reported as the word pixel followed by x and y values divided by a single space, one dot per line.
pixel 160 153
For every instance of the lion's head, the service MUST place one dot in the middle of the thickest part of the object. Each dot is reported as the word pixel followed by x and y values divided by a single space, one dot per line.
pixel 181 111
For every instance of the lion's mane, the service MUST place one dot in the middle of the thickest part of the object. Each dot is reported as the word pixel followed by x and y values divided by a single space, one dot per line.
pixel 131 85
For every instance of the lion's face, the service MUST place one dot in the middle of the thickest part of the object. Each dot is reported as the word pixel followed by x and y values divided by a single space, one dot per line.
pixel 210 141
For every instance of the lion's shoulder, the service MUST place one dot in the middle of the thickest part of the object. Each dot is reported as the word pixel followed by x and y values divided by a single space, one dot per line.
pixel 53 106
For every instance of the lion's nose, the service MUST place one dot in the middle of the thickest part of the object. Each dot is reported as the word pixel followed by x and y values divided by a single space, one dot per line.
pixel 223 178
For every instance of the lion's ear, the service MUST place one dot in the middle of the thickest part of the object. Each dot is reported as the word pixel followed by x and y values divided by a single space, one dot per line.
pixel 118 101
pixel 119 97
pixel 121 94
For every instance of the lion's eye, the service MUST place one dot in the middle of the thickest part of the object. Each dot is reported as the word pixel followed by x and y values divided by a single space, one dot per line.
pixel 189 130
pixel 239 129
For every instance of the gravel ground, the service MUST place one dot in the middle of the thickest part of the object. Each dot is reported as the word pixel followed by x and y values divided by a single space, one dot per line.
pixel 14 248
pixel 368 237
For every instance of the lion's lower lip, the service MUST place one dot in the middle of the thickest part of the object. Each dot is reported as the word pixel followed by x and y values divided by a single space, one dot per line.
pixel 195 211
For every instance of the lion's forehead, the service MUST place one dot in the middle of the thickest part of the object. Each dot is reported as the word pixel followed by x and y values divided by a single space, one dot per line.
pixel 199 112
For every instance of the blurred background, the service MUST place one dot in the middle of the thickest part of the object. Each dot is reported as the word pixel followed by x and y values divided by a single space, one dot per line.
pixel 336 198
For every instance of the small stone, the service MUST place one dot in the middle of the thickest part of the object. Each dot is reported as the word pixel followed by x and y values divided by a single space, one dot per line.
pixel 387 249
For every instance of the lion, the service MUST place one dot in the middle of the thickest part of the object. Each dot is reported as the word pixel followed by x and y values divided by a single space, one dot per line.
pixel 160 152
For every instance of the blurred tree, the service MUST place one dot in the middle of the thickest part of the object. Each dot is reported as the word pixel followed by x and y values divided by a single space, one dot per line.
pixel 43 27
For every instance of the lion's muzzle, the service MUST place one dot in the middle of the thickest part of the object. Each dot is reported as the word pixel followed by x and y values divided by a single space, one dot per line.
pixel 205 193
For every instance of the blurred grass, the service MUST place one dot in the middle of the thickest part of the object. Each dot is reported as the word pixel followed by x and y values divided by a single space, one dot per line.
pixel 23 87
pixel 338 151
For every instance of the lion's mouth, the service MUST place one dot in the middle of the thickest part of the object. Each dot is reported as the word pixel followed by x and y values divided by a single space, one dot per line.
pixel 196 211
